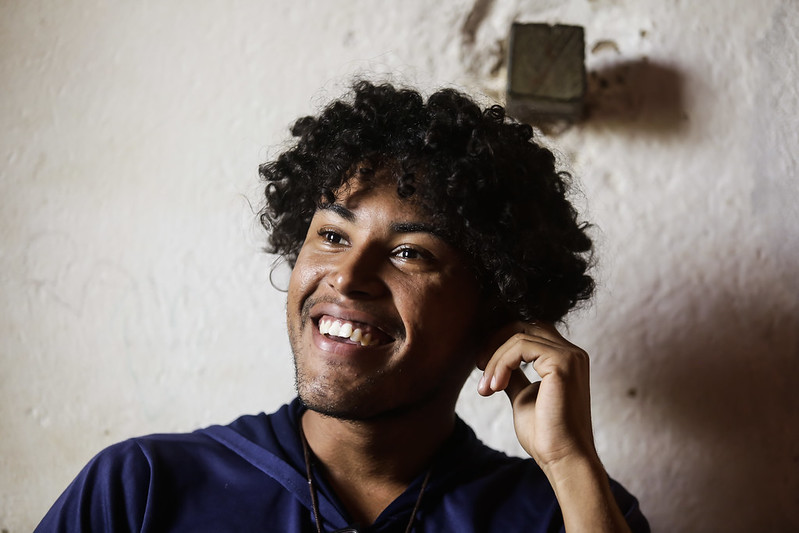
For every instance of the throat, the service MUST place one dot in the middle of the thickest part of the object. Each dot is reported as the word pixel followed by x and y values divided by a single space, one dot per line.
pixel 364 491
pixel 364 502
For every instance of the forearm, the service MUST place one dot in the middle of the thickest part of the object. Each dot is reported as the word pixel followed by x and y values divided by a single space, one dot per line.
pixel 586 501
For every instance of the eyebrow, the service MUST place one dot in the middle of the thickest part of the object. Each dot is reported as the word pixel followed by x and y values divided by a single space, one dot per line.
pixel 340 210
pixel 415 227
pixel 397 227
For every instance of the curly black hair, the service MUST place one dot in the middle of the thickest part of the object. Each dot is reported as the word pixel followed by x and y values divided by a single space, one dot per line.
pixel 479 173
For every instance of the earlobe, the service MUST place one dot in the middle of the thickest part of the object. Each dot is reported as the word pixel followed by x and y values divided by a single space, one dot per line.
pixel 482 359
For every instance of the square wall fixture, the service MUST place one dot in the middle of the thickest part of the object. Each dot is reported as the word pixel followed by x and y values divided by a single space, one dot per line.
pixel 546 72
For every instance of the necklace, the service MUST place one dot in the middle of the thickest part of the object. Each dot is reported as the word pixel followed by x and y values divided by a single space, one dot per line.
pixel 306 450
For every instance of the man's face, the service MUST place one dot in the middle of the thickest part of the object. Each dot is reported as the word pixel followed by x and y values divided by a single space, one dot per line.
pixel 381 311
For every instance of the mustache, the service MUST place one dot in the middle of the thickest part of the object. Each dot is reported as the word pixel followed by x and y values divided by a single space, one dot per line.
pixel 390 324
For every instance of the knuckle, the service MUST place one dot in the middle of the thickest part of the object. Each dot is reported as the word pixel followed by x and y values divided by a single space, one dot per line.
pixel 519 336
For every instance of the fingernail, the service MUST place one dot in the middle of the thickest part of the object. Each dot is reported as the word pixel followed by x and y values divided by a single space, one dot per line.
pixel 494 383
pixel 482 383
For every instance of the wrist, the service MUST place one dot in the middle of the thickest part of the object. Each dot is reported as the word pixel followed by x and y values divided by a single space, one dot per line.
pixel 582 488
pixel 569 471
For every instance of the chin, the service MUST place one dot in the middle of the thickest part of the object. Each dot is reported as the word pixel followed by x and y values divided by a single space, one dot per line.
pixel 336 408
pixel 362 404
pixel 334 400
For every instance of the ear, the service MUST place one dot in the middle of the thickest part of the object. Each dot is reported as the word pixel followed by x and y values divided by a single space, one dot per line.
pixel 491 320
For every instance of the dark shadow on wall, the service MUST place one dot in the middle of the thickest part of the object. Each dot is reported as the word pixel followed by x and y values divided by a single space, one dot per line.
pixel 630 98
pixel 636 97
pixel 721 395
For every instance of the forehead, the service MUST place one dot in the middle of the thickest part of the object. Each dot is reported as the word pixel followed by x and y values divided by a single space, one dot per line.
pixel 378 196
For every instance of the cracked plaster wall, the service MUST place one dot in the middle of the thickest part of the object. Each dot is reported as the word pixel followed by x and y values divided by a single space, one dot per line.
pixel 135 298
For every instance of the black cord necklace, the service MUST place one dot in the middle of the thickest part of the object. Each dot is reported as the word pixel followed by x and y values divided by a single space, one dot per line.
pixel 306 450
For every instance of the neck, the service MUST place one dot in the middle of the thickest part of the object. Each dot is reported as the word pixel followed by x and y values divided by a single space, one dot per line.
pixel 370 463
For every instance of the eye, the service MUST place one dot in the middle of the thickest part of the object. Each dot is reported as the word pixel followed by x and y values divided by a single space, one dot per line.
pixel 409 253
pixel 332 237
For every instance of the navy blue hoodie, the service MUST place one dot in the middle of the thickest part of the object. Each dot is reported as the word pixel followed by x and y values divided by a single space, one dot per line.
pixel 250 476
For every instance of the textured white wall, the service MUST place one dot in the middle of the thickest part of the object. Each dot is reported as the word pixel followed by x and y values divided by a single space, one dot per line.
pixel 135 298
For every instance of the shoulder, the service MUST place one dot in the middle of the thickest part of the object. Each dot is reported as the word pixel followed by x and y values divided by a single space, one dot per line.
pixel 483 489
pixel 474 472
pixel 470 457
pixel 151 480
pixel 518 492
pixel 109 494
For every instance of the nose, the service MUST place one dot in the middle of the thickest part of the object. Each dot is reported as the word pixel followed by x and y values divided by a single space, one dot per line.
pixel 356 275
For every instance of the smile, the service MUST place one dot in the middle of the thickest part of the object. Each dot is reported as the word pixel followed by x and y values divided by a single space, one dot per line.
pixel 355 332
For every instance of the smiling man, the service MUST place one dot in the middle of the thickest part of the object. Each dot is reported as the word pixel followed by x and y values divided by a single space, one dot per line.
pixel 427 238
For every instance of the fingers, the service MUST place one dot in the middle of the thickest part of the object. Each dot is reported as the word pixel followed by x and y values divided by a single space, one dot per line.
pixel 539 344
pixel 504 334
pixel 508 358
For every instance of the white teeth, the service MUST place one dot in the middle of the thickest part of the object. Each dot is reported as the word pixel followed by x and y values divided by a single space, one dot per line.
pixel 345 330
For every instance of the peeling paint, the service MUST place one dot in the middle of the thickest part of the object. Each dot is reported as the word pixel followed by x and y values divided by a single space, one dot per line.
pixel 605 46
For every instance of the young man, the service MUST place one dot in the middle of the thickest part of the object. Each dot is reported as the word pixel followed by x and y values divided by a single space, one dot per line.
pixel 426 238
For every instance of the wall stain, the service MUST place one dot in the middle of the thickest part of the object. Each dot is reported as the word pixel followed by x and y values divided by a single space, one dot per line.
pixel 474 20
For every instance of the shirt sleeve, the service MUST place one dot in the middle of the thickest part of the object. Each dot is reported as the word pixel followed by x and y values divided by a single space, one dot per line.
pixel 108 495
pixel 630 509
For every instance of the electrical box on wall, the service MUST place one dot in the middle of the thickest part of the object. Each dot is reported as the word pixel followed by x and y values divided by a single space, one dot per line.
pixel 546 72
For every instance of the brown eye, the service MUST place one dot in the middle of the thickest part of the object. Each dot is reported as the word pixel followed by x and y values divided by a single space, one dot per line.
pixel 408 253
pixel 332 237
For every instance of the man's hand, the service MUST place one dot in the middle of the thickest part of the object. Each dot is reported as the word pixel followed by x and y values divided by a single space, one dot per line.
pixel 552 419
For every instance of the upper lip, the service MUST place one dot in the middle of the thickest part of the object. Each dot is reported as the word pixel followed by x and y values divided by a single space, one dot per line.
pixel 353 315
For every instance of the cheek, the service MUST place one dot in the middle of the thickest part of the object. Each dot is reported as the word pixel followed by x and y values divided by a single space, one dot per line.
pixel 461 311
pixel 445 310
pixel 302 280
pixel 458 292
